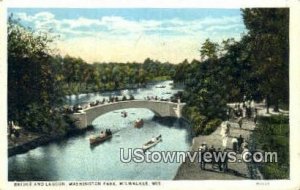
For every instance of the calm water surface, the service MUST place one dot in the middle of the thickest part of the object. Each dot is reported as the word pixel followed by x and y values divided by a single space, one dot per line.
pixel 74 159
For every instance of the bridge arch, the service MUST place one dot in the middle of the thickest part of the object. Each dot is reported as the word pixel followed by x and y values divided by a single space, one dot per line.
pixel 160 108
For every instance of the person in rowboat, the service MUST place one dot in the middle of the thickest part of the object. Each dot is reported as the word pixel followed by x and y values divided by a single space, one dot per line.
pixel 102 134
pixel 108 132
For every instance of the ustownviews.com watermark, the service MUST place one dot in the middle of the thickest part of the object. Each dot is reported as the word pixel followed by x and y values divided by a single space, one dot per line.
pixel 139 156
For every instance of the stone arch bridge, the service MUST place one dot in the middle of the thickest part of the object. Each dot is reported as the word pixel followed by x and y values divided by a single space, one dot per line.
pixel 160 108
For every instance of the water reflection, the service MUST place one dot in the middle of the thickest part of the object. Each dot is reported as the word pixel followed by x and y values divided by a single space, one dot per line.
pixel 74 159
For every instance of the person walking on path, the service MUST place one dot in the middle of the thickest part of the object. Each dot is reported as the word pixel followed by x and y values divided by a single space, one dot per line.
pixel 202 149
pixel 219 160
pixel 228 113
pixel 234 142
pixel 225 163
pixel 212 151
pixel 225 129
pixel 240 140
pixel 244 146
pixel 255 116
pixel 240 122
pixel 244 112
pixel 239 111
pixel 228 129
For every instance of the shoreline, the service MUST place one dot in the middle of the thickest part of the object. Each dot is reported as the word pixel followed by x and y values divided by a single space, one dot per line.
pixel 177 176
pixel 42 140
pixel 103 91
pixel 35 140
pixel 131 87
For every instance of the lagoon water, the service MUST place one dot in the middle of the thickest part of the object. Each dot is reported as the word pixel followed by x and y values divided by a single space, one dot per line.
pixel 74 159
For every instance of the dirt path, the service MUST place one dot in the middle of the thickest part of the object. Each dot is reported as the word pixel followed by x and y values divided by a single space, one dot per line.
pixel 192 171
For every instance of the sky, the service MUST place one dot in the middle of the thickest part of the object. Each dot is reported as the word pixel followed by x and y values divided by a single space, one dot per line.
pixel 132 35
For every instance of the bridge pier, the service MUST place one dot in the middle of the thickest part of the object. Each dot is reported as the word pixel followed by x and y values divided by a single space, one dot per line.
pixel 80 120
pixel 178 109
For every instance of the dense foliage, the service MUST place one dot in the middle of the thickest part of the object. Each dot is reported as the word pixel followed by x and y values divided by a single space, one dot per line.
pixel 33 86
pixel 80 77
pixel 269 42
pixel 38 80
pixel 255 67
pixel 272 135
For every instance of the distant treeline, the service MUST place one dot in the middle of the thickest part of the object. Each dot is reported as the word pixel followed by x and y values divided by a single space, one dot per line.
pixel 80 77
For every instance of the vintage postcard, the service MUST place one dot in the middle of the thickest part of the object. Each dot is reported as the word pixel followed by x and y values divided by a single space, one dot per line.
pixel 113 96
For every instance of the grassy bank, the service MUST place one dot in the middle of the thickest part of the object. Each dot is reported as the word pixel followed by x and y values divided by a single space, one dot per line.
pixel 30 140
pixel 272 134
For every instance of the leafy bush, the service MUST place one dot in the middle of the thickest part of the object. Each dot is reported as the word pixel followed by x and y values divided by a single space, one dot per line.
pixel 200 123
pixel 59 125
pixel 44 120
pixel 211 126
pixel 272 134
pixel 33 119
pixel 274 171
pixel 276 119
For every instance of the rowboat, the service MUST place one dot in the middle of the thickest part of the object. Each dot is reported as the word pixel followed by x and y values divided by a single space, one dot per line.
pixel 152 142
pixel 100 138
pixel 139 123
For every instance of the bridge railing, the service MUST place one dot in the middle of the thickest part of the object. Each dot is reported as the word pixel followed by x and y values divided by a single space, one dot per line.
pixel 81 108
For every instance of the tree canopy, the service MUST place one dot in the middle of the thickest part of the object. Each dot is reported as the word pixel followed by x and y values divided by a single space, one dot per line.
pixel 255 66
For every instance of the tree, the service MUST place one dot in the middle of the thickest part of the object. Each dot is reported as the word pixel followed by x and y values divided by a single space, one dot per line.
pixel 269 39
pixel 209 50
pixel 180 71
pixel 32 80
pixel 205 84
